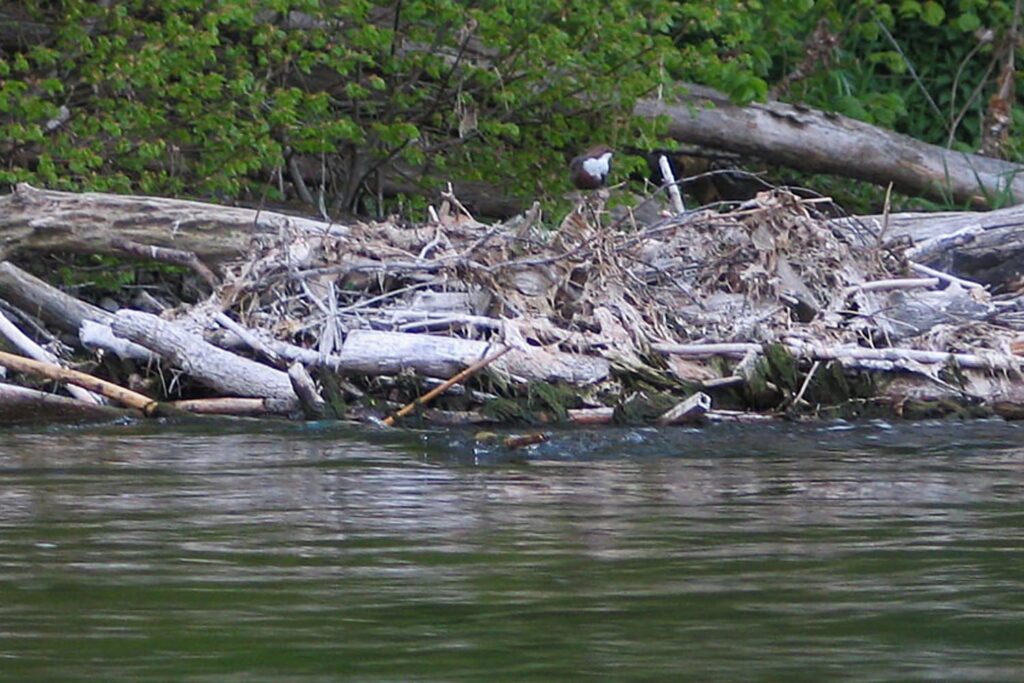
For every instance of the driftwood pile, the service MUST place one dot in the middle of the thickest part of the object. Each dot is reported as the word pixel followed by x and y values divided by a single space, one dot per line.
pixel 772 307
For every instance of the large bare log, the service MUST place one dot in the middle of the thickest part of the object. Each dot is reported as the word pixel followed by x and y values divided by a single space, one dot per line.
pixel 373 352
pixel 214 367
pixel 812 140
pixel 34 220
pixel 987 247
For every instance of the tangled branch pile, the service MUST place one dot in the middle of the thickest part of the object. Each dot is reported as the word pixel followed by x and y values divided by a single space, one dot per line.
pixel 773 304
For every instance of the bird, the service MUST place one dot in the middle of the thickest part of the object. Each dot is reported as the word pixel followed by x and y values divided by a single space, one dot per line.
pixel 589 171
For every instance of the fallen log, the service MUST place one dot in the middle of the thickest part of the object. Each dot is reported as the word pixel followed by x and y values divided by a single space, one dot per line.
pixel 234 406
pixel 373 352
pixel 691 409
pixel 34 220
pixel 24 405
pixel 821 142
pixel 216 368
pixel 38 298
pixel 987 247
pixel 848 354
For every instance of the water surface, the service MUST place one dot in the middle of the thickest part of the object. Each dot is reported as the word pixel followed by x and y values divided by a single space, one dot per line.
pixel 240 552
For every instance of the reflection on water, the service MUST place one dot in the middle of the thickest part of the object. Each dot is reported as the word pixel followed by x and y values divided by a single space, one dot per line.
pixel 768 553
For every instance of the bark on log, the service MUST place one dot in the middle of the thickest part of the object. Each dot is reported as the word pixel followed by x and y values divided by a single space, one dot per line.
pixel 812 140
pixel 386 353
pixel 214 367
pixel 34 220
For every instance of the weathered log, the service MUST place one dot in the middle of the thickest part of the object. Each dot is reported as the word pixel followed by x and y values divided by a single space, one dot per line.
pixel 820 142
pixel 986 247
pixel 851 354
pixel 36 297
pixel 34 220
pixel 21 405
pixel 95 335
pixel 372 352
pixel 212 366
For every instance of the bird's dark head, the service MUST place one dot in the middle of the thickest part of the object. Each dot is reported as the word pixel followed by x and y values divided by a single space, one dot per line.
pixel 590 170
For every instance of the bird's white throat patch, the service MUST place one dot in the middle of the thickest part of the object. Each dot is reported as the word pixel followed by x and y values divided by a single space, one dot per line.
pixel 598 166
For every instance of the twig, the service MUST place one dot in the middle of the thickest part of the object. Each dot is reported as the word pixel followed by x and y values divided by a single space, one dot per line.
pixel 438 390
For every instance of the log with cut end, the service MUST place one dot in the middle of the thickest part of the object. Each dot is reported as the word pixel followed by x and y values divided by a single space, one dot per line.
pixel 692 409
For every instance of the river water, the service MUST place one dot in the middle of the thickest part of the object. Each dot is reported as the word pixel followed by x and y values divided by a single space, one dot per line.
pixel 294 553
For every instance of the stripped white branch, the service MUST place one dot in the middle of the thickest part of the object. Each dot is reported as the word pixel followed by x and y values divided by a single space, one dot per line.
pixel 896 283
pixel 673 186
pixel 922 269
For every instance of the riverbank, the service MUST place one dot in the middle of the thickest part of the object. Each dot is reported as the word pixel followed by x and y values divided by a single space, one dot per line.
pixel 780 306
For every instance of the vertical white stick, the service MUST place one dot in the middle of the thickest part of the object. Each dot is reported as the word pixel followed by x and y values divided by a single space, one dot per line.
pixel 673 187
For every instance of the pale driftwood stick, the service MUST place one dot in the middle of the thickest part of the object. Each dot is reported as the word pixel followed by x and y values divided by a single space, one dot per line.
pixel 373 352
pixel 896 283
pixel 165 255
pixel 214 367
pixel 440 389
pixel 254 342
pixel 922 269
pixel 313 406
pixel 251 407
pixel 591 416
pixel 735 350
pixel 806 383
pixel 55 372
pixel 95 335
pixel 673 188
pixel 690 410
pixel 20 404
pixel 28 347
pixel 737 416
pixel 38 298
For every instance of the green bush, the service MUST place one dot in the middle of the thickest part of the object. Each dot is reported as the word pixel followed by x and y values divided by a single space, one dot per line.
pixel 211 98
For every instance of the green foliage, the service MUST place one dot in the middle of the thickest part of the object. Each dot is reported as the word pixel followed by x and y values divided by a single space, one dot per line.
pixel 923 68
pixel 211 99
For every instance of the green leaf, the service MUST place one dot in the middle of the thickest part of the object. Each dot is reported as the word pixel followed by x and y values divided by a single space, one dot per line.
pixel 932 13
